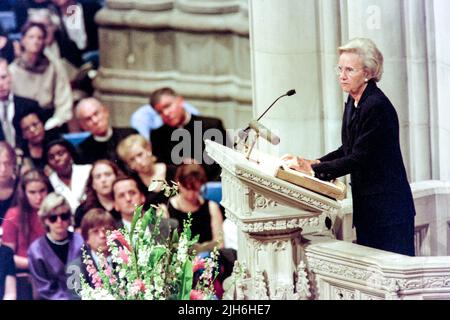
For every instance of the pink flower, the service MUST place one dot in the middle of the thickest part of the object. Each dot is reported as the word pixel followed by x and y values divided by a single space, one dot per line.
pixel 198 264
pixel 196 295
pixel 108 271
pixel 138 286
pixel 123 255
pixel 117 235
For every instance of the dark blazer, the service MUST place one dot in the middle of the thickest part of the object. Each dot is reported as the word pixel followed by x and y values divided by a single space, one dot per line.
pixel 91 150
pixel 90 9
pixel 21 105
pixel 371 154
pixel 195 145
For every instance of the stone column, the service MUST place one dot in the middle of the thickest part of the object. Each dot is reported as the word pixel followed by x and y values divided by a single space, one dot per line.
pixel 294 46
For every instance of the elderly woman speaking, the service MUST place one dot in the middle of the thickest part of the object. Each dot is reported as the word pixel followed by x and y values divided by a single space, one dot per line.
pixel 383 207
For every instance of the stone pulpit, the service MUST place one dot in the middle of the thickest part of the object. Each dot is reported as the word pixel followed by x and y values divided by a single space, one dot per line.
pixel 270 214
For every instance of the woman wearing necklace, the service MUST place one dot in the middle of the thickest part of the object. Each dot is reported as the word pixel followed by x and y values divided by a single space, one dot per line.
pixel 50 254
pixel 21 225
pixel 136 152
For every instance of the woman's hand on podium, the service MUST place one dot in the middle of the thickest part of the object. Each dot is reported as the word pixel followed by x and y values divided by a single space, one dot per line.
pixel 298 163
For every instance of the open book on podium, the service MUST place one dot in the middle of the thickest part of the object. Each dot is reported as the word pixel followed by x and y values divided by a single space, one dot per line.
pixel 273 166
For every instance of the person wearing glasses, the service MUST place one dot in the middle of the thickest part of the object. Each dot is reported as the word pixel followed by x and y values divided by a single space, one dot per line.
pixel 95 226
pixel 50 254
pixel 383 207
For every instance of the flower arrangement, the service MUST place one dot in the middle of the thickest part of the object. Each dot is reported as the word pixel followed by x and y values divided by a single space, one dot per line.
pixel 139 268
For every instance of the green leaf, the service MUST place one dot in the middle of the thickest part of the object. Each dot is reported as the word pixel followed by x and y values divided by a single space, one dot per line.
pixel 147 218
pixel 137 215
pixel 186 281
pixel 175 237
pixel 155 256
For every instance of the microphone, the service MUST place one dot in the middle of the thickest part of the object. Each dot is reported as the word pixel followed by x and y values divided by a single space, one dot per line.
pixel 264 132
pixel 259 128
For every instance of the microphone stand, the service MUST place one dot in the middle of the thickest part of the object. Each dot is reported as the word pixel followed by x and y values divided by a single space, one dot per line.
pixel 245 132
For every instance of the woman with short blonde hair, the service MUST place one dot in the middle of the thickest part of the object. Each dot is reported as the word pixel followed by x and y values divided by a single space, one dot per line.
pixel 136 152
pixel 371 57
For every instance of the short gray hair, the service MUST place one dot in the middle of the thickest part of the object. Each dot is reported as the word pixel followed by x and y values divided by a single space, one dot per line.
pixel 372 57
pixel 52 201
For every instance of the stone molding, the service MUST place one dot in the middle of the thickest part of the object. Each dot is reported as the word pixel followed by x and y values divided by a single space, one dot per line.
pixel 379 274
pixel 181 15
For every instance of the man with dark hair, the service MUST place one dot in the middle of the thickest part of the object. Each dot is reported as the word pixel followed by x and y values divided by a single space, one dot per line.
pixel 127 196
pixel 181 138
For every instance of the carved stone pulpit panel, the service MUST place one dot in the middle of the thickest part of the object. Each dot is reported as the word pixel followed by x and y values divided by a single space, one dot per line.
pixel 270 214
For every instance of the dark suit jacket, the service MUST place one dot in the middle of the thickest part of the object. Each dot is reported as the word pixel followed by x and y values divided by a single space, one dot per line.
pixel 90 9
pixel 370 153
pixel 193 140
pixel 91 150
pixel 21 106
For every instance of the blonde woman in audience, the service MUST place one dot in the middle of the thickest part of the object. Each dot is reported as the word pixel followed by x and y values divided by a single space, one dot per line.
pixel 22 226
pixel 50 254
pixel 136 152
pixel 37 77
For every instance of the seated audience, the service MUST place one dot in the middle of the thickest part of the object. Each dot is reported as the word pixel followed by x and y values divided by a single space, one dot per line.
pixel 93 116
pixel 50 254
pixel 22 226
pixel 99 190
pixel 136 152
pixel 7 274
pixel 145 119
pixel 11 107
pixel 39 78
pixel 68 179
pixel 171 144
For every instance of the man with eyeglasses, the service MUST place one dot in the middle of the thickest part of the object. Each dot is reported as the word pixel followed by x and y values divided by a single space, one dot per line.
pixel 94 228
pixel 93 116
pixel 383 206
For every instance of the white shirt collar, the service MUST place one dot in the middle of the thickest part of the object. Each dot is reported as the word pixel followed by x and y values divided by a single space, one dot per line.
pixel 106 137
